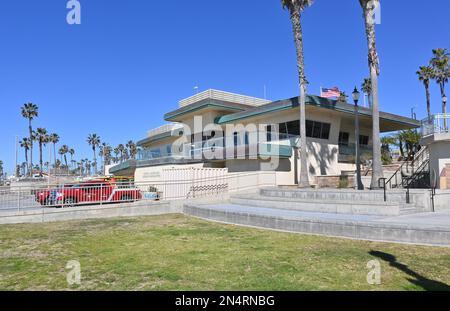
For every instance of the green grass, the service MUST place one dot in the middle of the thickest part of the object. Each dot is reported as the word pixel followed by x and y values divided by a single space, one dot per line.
pixel 181 253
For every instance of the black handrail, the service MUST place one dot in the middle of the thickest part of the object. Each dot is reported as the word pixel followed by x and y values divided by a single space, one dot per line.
pixel 413 178
pixel 400 169
pixel 384 187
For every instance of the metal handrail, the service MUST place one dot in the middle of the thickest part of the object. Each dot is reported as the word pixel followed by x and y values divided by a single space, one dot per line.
pixel 413 178
pixel 406 163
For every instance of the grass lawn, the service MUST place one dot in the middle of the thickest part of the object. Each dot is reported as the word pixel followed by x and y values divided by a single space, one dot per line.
pixel 181 253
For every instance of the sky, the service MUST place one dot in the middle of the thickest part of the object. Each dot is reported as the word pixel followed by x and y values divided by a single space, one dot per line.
pixel 129 62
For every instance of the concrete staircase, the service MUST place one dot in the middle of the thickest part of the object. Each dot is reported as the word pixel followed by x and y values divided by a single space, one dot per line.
pixel 336 201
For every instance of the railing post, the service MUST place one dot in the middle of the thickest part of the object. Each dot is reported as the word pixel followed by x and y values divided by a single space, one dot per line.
pixel 18 200
pixel 384 187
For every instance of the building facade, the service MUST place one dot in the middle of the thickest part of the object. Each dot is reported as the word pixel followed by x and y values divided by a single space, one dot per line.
pixel 216 129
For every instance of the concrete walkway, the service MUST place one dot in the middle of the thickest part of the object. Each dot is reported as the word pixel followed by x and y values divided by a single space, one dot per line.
pixel 423 228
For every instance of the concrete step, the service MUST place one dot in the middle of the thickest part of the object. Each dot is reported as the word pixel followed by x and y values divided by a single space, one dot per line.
pixel 337 195
pixel 353 207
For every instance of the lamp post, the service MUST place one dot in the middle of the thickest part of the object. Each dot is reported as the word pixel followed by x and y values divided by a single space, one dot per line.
pixel 360 185
pixel 444 110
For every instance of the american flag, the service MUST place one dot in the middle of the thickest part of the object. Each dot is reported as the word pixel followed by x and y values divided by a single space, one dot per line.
pixel 328 93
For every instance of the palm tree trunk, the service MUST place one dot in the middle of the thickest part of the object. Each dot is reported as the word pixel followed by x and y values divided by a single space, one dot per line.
pixel 30 129
pixel 427 91
pixel 298 38
pixel 26 159
pixel 40 157
pixel 377 172
pixel 54 154
pixel 95 160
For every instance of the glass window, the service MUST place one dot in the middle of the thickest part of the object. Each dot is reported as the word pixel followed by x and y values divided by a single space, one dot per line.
pixel 344 138
pixel 313 129
pixel 325 131
pixel 364 140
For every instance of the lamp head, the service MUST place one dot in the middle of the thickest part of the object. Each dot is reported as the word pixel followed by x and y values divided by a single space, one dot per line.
pixel 356 95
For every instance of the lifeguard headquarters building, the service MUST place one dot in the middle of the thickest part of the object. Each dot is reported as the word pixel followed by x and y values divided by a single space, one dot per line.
pixel 330 134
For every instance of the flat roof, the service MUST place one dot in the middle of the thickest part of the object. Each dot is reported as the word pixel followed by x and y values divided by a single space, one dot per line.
pixel 204 104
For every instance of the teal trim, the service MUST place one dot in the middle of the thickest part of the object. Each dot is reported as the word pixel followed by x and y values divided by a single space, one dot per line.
pixel 313 101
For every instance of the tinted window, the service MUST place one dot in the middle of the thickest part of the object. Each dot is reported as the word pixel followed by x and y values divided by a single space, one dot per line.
pixel 364 140
pixel 343 138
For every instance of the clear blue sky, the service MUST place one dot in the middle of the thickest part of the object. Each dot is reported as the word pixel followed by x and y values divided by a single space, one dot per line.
pixel 129 62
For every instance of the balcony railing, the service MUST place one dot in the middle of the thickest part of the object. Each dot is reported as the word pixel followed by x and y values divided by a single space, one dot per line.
pixel 245 143
pixel 350 150
pixel 436 124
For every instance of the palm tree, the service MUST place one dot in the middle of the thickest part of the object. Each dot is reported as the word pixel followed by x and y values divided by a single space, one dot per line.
pixel 25 144
pixel 366 87
pixel 426 73
pixel 81 166
pixel 1 169
pixel 63 152
pixel 116 153
pixel 121 149
pixel 30 111
pixel 295 8
pixel 440 65
pixel 342 97
pixel 42 138
pixel 94 140
pixel 54 139
pixel 88 166
pixel 107 150
pixel 71 152
pixel 132 149
pixel 368 7
pixel 386 143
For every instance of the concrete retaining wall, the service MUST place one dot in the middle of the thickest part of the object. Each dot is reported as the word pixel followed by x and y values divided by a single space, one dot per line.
pixel 90 212
pixel 336 228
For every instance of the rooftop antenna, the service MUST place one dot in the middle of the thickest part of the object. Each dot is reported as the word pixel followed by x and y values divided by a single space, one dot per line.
pixel 196 89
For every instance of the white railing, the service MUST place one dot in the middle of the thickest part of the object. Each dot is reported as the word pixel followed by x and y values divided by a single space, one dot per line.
pixel 173 185
pixel 224 96
pixel 21 199
pixel 436 124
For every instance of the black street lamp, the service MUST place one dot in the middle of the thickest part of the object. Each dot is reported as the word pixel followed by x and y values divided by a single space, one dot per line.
pixel 444 107
pixel 360 185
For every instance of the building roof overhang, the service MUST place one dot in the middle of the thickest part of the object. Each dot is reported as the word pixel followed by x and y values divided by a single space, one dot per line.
pixel 319 102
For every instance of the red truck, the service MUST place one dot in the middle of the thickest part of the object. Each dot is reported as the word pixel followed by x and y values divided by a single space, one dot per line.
pixel 89 192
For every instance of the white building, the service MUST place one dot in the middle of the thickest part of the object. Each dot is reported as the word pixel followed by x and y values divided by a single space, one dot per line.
pixel 329 126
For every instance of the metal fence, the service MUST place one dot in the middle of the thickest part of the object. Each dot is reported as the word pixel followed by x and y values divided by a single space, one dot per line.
pixel 436 124
pixel 21 198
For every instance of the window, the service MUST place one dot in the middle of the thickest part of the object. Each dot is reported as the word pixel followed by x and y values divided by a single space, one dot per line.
pixel 314 129
pixel 344 138
pixel 363 140
pixel 269 133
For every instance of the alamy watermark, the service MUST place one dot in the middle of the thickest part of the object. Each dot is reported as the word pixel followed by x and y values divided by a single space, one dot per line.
pixel 374 275
pixel 375 7
pixel 73 276
pixel 74 14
